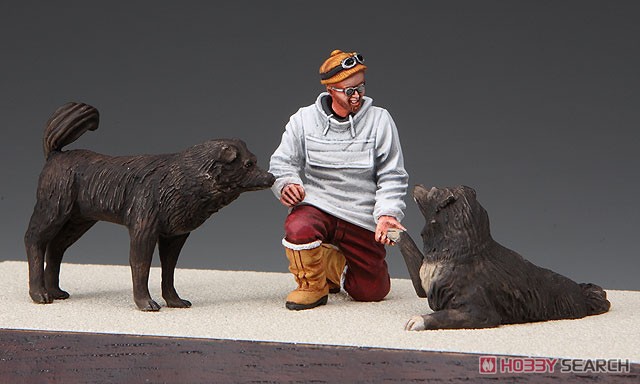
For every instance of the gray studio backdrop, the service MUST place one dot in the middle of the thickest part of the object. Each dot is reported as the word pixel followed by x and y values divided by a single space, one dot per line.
pixel 534 104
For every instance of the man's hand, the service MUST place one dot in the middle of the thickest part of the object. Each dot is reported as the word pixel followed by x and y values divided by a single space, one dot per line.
pixel 292 194
pixel 384 223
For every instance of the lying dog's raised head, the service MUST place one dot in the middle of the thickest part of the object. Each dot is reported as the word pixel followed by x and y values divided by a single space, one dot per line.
pixel 451 214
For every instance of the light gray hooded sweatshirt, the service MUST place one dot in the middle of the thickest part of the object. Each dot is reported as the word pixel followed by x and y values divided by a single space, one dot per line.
pixel 353 170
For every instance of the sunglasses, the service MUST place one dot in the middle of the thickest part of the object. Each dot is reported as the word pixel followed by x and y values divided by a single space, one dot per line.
pixel 346 63
pixel 351 90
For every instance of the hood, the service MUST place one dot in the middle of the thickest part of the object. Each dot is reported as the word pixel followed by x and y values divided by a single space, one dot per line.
pixel 330 122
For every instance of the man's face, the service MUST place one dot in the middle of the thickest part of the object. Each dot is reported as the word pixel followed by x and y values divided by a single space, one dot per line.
pixel 343 103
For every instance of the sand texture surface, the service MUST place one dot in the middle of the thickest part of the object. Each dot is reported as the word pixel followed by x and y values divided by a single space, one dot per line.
pixel 240 305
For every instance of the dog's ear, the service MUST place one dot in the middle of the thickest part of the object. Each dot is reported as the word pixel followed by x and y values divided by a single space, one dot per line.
pixel 469 191
pixel 451 198
pixel 228 153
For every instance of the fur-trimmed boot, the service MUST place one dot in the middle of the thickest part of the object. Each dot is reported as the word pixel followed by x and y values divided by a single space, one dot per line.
pixel 308 268
pixel 334 266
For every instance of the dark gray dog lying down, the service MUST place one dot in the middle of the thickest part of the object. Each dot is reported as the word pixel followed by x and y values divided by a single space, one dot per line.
pixel 471 281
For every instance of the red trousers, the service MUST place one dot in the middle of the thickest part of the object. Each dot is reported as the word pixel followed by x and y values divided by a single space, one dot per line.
pixel 367 276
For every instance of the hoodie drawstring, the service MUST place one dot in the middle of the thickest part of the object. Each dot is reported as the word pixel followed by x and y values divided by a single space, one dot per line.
pixel 327 125
pixel 352 128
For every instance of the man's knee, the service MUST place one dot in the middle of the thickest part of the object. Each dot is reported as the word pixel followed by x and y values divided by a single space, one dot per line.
pixel 298 231
pixel 369 290
pixel 304 225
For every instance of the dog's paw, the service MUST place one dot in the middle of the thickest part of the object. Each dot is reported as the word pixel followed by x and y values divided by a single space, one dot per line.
pixel 416 323
pixel 41 297
pixel 148 306
pixel 178 303
pixel 58 294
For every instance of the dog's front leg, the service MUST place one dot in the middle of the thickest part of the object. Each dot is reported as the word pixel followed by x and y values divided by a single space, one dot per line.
pixel 454 319
pixel 140 255
pixel 169 249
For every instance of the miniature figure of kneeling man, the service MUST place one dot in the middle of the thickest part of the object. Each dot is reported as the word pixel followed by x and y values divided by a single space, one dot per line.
pixel 340 170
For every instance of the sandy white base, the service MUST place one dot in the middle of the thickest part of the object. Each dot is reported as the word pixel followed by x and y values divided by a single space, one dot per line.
pixel 250 306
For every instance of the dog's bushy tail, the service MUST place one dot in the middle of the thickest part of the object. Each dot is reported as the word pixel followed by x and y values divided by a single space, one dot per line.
pixel 596 298
pixel 67 124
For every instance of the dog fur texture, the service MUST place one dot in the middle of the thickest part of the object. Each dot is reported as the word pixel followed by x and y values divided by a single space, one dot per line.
pixel 471 281
pixel 159 198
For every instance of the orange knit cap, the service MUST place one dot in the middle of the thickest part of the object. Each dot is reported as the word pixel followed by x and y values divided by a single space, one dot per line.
pixel 334 61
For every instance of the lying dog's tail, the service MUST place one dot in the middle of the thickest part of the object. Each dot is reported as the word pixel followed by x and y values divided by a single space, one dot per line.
pixel 67 124
pixel 596 298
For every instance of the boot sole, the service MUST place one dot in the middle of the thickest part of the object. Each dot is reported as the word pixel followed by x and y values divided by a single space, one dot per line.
pixel 299 307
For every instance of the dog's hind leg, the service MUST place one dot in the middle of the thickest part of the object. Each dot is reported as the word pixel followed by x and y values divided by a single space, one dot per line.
pixel 455 319
pixel 595 299
pixel 143 244
pixel 169 249
pixel 35 256
pixel 69 234
pixel 44 225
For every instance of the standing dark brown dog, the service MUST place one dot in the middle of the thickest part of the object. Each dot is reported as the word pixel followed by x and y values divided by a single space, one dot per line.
pixel 471 281
pixel 159 198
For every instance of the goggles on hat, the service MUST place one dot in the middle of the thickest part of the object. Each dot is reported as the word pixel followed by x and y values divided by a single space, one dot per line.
pixel 351 90
pixel 346 63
